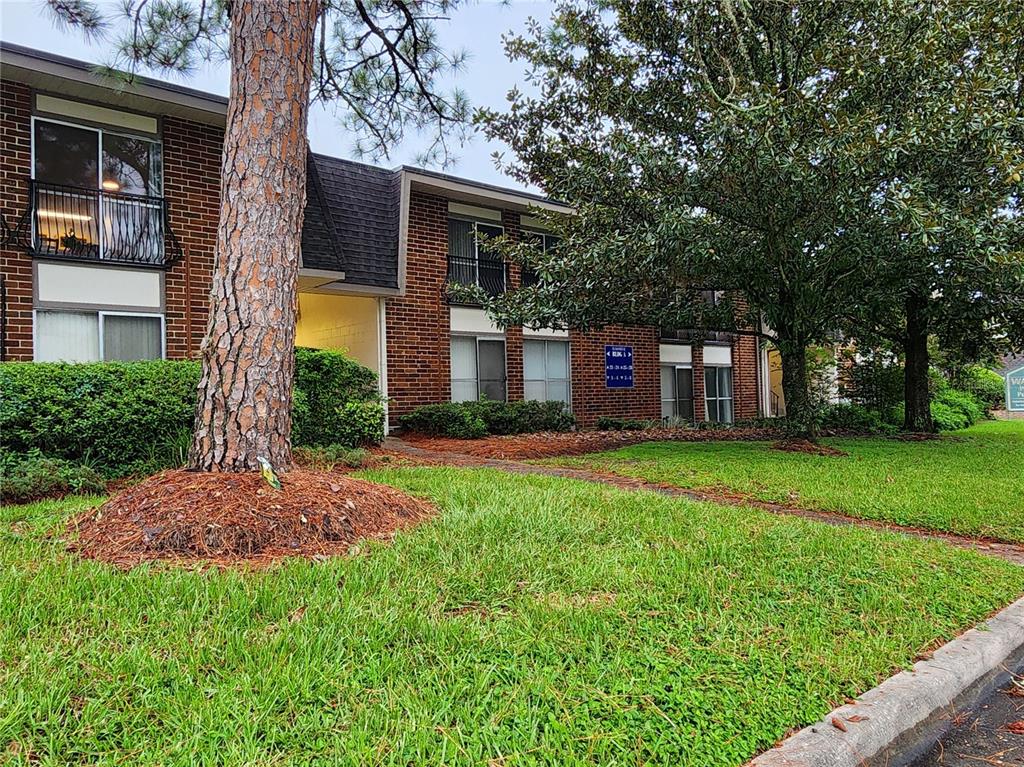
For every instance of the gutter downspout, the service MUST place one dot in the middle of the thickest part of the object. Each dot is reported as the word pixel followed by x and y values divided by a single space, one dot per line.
pixel 382 359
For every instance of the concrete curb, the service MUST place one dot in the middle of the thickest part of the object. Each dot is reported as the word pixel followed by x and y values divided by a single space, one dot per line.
pixel 896 722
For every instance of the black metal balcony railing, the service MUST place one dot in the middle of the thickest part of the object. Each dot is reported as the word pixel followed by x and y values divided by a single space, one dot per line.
pixel 692 335
pixel 78 223
pixel 490 274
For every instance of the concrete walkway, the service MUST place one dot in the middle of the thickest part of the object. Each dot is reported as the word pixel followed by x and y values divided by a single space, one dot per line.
pixel 1008 551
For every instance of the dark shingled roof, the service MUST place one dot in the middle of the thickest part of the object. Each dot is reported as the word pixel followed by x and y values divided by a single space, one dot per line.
pixel 351 221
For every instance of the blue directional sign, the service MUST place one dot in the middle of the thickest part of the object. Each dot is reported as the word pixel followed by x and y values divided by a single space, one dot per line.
pixel 1015 389
pixel 618 367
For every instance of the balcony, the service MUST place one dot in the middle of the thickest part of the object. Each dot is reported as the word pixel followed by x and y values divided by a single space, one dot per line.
pixel 96 225
pixel 490 274
pixel 696 336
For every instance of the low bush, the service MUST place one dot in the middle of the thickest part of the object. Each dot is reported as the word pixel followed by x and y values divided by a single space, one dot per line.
pixel 522 417
pixel 472 420
pixel 960 401
pixel 328 457
pixel 609 423
pixel 856 419
pixel 948 418
pixel 986 386
pixel 30 476
pixel 447 419
pixel 135 417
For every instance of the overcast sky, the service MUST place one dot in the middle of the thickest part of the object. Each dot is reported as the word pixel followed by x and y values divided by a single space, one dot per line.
pixel 476 27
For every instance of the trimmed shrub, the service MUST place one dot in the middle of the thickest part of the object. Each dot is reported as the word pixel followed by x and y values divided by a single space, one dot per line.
pixel 135 417
pixel 329 382
pixel 522 417
pixel 30 476
pixel 446 419
pixel 472 420
pixel 608 423
pixel 118 416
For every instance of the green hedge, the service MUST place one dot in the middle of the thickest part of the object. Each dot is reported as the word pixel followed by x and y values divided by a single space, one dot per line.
pixel 472 420
pixel 135 417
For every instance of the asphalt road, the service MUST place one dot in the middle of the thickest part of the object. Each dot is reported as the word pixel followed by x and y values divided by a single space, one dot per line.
pixel 984 736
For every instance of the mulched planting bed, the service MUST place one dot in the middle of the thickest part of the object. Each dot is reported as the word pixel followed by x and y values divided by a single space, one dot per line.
pixel 227 519
pixel 553 444
pixel 806 446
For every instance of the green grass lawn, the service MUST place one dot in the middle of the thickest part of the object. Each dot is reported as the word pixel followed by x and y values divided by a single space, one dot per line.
pixel 970 482
pixel 537 621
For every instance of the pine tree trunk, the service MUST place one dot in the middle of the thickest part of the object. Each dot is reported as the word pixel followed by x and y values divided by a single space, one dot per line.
pixel 245 393
pixel 917 414
pixel 800 421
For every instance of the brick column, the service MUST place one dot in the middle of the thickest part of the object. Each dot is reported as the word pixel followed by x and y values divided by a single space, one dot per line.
pixel 419 326
pixel 15 264
pixel 744 377
pixel 513 336
pixel 192 160
pixel 697 361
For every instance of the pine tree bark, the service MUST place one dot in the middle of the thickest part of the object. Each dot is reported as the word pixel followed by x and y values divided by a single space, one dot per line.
pixel 245 393
pixel 917 413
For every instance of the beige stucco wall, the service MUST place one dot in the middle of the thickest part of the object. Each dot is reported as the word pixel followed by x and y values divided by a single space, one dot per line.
pixel 345 323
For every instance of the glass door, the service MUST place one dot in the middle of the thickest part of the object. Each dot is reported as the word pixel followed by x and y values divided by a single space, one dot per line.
pixel 684 393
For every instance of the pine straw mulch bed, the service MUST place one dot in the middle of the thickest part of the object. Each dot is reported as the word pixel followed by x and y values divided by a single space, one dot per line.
pixel 238 519
pixel 554 444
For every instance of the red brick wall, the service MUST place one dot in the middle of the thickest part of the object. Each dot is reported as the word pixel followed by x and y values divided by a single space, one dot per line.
pixel 513 336
pixel 744 377
pixel 192 154
pixel 418 323
pixel 591 398
pixel 15 169
pixel 192 188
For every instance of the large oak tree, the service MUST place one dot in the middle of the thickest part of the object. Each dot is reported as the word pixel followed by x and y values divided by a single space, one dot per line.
pixel 735 145
pixel 381 63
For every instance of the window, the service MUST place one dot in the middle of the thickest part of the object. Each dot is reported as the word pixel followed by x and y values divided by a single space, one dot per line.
pixel 546 242
pixel 95 336
pixel 478 369
pixel 546 371
pixel 96 193
pixel 718 394
pixel 677 392
pixel 471 261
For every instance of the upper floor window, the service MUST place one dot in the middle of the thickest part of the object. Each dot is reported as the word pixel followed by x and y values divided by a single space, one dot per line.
pixel 94 159
pixel 96 194
pixel 545 242
pixel 471 260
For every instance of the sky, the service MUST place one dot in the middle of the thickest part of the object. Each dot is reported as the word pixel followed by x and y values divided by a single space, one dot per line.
pixel 476 28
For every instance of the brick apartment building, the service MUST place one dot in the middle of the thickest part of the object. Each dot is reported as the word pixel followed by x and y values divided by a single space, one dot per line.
pixel 110 201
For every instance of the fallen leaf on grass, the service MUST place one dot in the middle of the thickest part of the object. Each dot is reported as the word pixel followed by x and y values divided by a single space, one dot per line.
pixel 296 614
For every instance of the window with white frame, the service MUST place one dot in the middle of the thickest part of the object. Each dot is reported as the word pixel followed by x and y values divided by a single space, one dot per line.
pixel 478 369
pixel 79 336
pixel 718 393
pixel 471 260
pixel 546 370
pixel 677 392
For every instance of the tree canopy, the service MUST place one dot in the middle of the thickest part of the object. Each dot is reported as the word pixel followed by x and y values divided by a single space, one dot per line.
pixel 761 148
